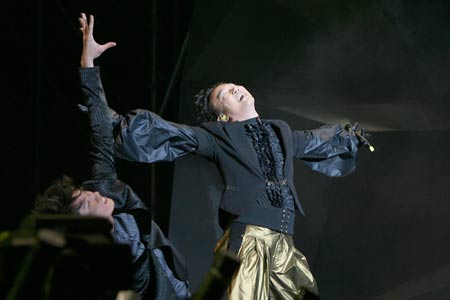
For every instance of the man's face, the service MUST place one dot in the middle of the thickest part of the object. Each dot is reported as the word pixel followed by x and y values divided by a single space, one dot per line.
pixel 233 100
pixel 92 204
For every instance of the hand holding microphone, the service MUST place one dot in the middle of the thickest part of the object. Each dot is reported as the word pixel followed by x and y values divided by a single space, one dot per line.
pixel 360 134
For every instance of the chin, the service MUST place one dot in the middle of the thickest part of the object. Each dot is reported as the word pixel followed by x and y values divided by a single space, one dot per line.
pixel 112 204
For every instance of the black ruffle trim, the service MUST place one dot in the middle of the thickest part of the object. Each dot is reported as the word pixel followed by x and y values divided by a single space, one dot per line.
pixel 271 160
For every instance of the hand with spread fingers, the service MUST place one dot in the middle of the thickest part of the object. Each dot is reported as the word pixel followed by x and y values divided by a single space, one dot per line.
pixel 91 49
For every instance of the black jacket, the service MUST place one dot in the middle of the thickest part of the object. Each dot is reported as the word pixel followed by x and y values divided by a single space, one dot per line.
pixel 146 137
pixel 244 181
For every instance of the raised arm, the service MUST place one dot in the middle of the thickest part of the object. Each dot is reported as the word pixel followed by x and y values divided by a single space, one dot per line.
pixel 102 142
pixel 143 135
pixel 330 150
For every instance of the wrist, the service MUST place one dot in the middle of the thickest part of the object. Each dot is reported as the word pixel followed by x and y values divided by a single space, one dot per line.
pixel 86 63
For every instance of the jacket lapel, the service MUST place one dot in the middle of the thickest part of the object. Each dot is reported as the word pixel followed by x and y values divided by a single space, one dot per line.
pixel 283 135
pixel 243 145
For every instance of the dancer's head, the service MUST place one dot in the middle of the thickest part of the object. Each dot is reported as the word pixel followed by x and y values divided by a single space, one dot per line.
pixel 63 196
pixel 225 102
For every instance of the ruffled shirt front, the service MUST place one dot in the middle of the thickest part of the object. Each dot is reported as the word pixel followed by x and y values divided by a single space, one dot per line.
pixel 271 160
pixel 277 210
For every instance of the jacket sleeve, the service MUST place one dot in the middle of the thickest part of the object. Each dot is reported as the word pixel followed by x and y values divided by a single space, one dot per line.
pixel 330 150
pixel 146 137
pixel 101 136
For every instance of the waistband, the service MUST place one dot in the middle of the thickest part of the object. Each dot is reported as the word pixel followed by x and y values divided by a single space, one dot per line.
pixel 277 219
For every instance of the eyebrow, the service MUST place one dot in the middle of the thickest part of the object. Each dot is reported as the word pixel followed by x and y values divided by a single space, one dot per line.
pixel 219 95
pixel 77 207
pixel 81 201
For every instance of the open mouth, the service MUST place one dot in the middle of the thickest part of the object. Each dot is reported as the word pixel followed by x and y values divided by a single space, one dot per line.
pixel 241 97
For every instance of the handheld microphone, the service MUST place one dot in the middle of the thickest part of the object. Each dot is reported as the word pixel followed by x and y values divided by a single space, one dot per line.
pixel 364 141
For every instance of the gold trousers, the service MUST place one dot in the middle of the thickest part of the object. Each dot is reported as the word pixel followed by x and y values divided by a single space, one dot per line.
pixel 271 267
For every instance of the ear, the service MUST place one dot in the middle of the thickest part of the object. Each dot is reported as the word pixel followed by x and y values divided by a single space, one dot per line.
pixel 223 117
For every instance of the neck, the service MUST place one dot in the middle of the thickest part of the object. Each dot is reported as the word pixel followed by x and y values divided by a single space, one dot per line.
pixel 244 117
pixel 111 220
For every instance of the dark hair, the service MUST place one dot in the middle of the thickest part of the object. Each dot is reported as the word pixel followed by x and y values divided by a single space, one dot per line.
pixel 57 198
pixel 204 110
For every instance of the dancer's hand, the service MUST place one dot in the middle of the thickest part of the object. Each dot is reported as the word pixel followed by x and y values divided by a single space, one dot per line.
pixel 91 49
pixel 361 134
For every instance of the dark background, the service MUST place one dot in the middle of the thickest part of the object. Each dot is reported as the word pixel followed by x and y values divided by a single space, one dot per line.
pixel 381 233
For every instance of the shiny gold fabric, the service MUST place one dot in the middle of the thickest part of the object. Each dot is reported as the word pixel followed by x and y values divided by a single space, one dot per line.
pixel 271 267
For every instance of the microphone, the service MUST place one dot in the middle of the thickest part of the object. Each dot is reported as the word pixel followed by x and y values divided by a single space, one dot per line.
pixel 364 141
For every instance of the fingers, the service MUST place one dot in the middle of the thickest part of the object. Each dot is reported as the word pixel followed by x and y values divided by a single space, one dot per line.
pixel 91 24
pixel 83 22
pixel 109 45
pixel 85 25
pixel 91 49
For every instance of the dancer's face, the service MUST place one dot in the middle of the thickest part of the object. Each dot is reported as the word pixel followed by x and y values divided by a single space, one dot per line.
pixel 92 204
pixel 233 100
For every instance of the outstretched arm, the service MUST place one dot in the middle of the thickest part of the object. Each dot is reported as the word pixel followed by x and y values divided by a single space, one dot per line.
pixel 102 142
pixel 143 137
pixel 146 137
pixel 330 150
